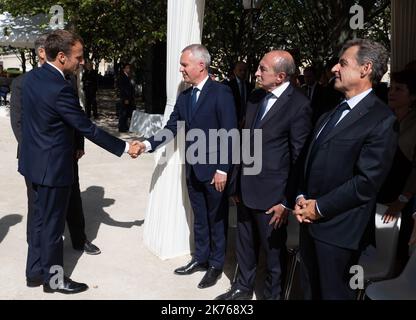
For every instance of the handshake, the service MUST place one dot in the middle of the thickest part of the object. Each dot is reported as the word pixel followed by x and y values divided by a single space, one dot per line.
pixel 136 148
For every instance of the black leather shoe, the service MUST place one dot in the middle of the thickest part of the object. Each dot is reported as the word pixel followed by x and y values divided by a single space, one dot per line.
pixel 68 286
pixel 235 294
pixel 210 278
pixel 35 282
pixel 89 248
pixel 191 267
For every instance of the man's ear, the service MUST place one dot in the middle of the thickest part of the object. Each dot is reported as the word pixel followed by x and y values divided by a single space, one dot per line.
pixel 61 57
pixel 366 69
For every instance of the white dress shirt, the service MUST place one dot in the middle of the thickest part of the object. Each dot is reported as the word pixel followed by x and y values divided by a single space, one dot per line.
pixel 276 94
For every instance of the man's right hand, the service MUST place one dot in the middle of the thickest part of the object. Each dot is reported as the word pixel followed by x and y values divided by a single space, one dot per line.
pixel 136 148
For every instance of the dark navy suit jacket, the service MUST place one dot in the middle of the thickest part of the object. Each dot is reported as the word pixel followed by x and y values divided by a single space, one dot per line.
pixel 285 129
pixel 214 110
pixel 50 114
pixel 346 171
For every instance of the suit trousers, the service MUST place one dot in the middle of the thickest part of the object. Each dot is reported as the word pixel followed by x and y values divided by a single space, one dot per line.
pixel 91 102
pixel 46 230
pixel 253 232
pixel 325 269
pixel 210 209
pixel 30 207
pixel 75 214
pixel 125 114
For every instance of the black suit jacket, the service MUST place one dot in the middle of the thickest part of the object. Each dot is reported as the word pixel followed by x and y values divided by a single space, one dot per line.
pixel 16 108
pixel 346 171
pixel 240 104
pixel 285 129
pixel 125 88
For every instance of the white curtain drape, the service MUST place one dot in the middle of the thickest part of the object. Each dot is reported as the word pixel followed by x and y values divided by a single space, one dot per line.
pixel 169 218
pixel 403 29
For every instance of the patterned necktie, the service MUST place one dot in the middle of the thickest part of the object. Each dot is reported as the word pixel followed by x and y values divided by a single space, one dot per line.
pixel 331 122
pixel 194 99
pixel 262 110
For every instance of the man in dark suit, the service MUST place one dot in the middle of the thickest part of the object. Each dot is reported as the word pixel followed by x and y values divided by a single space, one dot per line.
pixel 50 114
pixel 283 115
pixel 315 93
pixel 90 86
pixel 241 89
pixel 207 105
pixel 350 154
pixel 126 95
pixel 75 215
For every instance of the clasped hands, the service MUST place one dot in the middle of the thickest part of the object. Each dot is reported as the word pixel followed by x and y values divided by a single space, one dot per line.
pixel 136 148
pixel 305 212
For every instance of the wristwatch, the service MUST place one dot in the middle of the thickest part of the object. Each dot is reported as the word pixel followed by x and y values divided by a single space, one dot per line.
pixel 403 199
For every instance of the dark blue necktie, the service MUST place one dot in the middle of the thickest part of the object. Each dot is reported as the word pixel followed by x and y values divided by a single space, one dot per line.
pixel 194 99
pixel 326 130
pixel 262 110
pixel 331 122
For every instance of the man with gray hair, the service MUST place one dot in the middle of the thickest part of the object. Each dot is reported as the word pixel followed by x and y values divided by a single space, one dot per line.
pixel 206 105
pixel 350 154
pixel 283 115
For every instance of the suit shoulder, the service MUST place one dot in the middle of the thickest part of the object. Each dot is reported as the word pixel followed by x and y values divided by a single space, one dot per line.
pixel 381 107
pixel 220 86
pixel 300 96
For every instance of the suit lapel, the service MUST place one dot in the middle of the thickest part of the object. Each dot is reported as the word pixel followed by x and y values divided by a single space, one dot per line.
pixel 201 98
pixel 280 102
pixel 252 112
pixel 352 117
pixel 187 104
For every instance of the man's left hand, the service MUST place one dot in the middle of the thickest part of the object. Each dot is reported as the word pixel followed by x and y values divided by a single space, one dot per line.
pixel 279 215
pixel 219 180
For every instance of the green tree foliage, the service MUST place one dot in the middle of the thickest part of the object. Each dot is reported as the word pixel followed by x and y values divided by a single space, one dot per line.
pixel 112 29
pixel 313 30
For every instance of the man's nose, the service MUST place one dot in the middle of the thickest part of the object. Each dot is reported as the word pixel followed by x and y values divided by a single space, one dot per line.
pixel 335 68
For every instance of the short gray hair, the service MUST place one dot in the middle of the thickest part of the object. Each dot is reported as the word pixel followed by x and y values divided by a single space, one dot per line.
pixel 285 63
pixel 200 52
pixel 370 52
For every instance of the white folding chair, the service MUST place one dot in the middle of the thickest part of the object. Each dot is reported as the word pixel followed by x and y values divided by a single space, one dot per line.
pixel 378 263
pixel 400 288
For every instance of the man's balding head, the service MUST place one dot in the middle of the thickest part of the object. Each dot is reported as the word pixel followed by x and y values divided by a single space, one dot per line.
pixel 275 68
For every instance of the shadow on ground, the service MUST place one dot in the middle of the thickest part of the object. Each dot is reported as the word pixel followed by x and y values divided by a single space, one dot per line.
pixel 94 203
pixel 7 222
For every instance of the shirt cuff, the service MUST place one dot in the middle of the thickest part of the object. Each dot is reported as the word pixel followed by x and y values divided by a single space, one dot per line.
pixel 317 209
pixel 126 149
pixel 300 196
pixel 148 146
pixel 221 172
